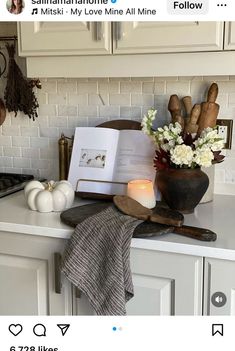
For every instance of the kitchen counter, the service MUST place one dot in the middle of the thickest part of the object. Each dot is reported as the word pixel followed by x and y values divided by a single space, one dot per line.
pixel 218 216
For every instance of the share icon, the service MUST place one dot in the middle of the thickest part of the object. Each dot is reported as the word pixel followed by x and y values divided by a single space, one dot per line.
pixel 63 328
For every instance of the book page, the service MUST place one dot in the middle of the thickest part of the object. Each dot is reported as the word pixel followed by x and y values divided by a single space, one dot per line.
pixel 134 158
pixel 93 158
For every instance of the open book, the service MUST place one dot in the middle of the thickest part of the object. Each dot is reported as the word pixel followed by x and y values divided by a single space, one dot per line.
pixel 104 160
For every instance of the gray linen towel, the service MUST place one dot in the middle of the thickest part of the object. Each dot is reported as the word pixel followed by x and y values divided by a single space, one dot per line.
pixel 97 260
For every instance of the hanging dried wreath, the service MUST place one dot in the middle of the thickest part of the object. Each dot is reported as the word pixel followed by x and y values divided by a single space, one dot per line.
pixel 19 95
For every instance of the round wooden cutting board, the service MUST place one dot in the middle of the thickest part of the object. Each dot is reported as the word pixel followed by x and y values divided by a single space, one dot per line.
pixel 76 215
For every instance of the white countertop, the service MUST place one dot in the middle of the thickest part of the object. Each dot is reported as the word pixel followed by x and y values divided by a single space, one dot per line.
pixel 218 215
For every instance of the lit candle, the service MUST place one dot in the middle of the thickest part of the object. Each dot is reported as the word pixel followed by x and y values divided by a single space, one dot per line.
pixel 142 191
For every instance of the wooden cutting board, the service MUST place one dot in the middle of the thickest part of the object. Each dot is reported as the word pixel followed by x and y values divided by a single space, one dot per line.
pixel 76 215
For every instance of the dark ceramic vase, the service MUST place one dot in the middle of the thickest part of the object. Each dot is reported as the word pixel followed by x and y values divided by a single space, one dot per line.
pixel 182 189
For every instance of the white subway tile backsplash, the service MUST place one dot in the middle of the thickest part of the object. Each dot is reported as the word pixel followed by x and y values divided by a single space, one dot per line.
pixel 227 87
pixel 166 79
pixel 74 99
pixel 89 88
pixel 11 151
pixel 58 121
pixel 47 154
pixel 67 110
pixel 20 141
pixel 74 122
pixel 40 164
pixel 148 87
pixel 49 132
pixel 47 110
pixel 67 87
pixel 88 111
pixel 180 88
pixel 108 87
pixel 48 86
pixel 37 142
pixel 6 161
pixel 32 146
pixel 59 99
pixel 93 122
pixel 98 99
pixel 154 88
pixel 29 131
pixel 14 170
pixel 216 79
pixel 30 152
pixel 41 98
pixel 5 140
pixel 112 112
pixel 119 99
pixel 142 79
pixel 131 112
pixel 131 87
pixel 19 120
pixel 199 88
pixel 21 162
pixel 10 130
pixel 142 99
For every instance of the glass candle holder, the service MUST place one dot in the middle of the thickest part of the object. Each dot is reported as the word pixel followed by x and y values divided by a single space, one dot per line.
pixel 142 191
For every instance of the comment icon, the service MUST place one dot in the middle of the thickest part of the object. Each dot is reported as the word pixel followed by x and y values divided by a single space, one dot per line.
pixel 39 329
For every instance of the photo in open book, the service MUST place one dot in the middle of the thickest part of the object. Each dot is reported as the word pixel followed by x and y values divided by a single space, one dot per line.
pixel 92 158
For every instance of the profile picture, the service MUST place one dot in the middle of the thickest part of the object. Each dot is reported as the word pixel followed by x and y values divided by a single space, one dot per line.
pixel 15 6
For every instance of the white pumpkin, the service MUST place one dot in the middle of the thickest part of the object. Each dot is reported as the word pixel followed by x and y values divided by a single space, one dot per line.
pixel 48 197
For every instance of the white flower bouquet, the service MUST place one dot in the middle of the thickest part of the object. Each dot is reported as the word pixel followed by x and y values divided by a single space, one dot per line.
pixel 175 149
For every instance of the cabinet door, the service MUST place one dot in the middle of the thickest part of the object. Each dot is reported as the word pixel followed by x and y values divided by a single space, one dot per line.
pixel 64 38
pixel 155 37
pixel 27 276
pixel 219 292
pixel 229 37
pixel 165 284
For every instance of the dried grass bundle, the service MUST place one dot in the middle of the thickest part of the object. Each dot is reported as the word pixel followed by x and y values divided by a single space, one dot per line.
pixel 19 95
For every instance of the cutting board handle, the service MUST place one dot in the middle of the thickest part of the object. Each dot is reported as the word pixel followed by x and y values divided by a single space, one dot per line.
pixel 196 233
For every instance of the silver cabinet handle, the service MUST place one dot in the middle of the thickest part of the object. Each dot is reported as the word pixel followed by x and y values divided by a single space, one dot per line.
pixel 57 265
pixel 97 31
pixel 117 31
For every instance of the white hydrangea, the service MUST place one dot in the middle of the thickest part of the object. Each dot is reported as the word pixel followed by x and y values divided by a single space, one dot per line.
pixel 217 145
pixel 203 157
pixel 182 155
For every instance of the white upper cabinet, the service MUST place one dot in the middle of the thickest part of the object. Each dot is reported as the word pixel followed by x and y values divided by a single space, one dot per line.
pixel 127 49
pixel 155 37
pixel 92 38
pixel 64 38
pixel 229 38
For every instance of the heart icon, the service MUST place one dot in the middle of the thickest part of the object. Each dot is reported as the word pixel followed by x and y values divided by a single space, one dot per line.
pixel 15 329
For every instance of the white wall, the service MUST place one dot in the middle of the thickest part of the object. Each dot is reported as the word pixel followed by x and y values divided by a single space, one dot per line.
pixel 31 147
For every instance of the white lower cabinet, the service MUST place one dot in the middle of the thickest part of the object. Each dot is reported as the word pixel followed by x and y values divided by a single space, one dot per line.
pixel 219 292
pixel 166 283
pixel 27 276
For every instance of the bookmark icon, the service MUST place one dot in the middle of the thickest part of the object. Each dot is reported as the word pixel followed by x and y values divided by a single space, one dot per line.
pixel 63 328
